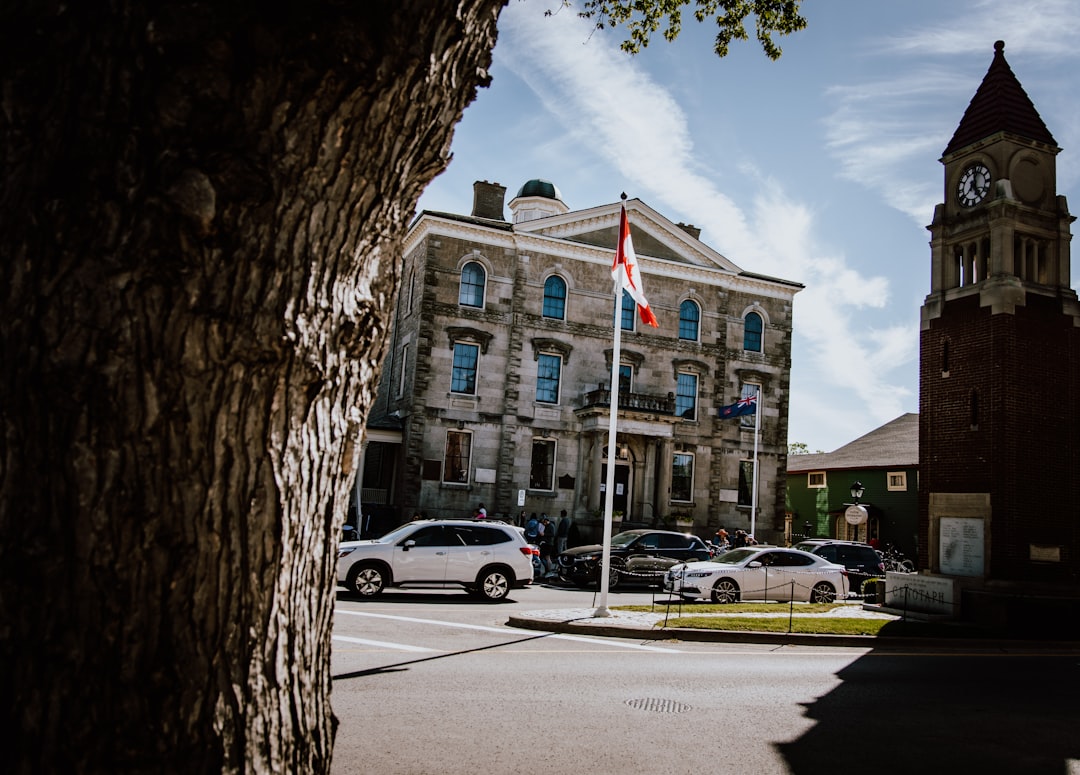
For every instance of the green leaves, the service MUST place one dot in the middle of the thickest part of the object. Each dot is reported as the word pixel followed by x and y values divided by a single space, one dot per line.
pixel 643 18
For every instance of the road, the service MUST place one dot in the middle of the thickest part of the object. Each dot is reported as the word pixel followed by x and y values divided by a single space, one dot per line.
pixel 436 683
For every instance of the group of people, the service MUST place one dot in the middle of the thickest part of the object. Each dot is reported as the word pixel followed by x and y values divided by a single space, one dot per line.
pixel 552 538
pixel 722 541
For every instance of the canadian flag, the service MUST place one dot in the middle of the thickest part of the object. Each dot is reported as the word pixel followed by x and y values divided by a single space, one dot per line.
pixel 625 271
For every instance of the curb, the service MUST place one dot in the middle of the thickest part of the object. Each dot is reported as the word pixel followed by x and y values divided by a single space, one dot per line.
pixel 594 627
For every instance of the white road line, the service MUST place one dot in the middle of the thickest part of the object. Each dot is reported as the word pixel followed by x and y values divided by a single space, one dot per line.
pixel 504 631
pixel 381 644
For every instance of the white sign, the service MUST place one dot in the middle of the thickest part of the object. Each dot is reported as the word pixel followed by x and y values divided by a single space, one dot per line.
pixel 960 546
pixel 855 515
pixel 925 594
pixel 521 497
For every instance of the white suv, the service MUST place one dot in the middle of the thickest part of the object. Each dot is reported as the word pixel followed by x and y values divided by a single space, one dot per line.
pixel 486 556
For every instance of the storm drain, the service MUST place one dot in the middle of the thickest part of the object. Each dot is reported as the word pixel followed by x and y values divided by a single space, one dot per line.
pixel 658 706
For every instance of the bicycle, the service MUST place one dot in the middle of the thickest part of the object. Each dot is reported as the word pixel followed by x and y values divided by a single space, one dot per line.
pixel 895 561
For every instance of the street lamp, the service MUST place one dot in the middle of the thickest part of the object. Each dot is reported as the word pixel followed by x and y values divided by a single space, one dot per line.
pixel 857 491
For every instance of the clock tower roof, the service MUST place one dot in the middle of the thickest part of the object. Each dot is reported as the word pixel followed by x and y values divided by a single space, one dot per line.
pixel 1000 105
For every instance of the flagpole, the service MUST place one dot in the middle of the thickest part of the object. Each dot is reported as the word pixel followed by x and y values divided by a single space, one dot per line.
pixel 609 486
pixel 757 434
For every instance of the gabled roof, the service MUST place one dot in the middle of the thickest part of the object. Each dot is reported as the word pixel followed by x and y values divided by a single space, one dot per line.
pixel 895 444
pixel 1000 105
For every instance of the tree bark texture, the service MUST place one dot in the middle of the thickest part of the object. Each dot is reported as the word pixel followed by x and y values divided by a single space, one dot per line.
pixel 202 208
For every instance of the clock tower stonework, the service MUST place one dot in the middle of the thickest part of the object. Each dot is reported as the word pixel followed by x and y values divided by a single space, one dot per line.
pixel 999 382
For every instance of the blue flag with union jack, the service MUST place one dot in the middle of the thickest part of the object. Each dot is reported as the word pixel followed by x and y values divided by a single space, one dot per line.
pixel 743 406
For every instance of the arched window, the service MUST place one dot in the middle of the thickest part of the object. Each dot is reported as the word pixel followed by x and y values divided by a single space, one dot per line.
pixel 473 280
pixel 689 317
pixel 752 328
pixel 555 298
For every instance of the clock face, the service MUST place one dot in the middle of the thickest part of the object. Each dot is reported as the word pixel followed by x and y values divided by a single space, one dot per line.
pixel 974 185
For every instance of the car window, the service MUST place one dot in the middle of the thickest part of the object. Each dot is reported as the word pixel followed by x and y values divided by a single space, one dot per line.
pixel 827 552
pixel 735 556
pixel 625 538
pixel 673 542
pixel 432 535
pixel 475 535
pixel 649 541
pixel 793 560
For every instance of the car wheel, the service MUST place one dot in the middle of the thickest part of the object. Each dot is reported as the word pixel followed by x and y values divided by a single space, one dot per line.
pixel 822 592
pixel 725 591
pixel 366 580
pixel 493 584
pixel 613 576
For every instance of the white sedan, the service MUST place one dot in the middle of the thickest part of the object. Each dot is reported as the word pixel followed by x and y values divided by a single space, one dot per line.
pixel 759 573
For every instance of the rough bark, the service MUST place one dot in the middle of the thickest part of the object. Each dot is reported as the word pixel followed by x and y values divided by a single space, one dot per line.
pixel 201 209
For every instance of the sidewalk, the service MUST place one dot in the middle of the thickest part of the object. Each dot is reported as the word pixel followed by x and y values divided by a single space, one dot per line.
pixel 648 626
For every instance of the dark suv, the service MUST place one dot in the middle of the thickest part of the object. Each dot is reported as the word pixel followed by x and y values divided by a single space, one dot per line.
pixel 861 560
pixel 636 556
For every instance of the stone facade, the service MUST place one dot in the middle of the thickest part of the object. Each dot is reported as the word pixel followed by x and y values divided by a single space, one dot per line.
pixel 526 429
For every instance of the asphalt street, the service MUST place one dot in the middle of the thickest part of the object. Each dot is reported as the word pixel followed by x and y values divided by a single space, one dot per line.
pixel 436 682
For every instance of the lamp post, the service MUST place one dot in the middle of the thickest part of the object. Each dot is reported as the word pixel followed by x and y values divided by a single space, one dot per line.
pixel 856 514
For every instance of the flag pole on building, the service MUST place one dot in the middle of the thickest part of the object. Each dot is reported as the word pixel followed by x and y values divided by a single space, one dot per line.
pixel 757 435
pixel 624 272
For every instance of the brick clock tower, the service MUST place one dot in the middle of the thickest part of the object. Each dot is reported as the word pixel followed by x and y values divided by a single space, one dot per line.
pixel 999 383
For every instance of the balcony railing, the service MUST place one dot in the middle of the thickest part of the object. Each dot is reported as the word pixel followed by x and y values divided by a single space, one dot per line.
pixel 631 402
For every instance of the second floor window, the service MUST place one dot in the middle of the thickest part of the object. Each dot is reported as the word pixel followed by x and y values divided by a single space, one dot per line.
pixel 548 372
pixel 749 389
pixel 473 280
pixel 686 396
pixel 752 328
pixel 555 298
pixel 629 311
pixel 682 477
pixel 689 318
pixel 463 379
pixel 626 378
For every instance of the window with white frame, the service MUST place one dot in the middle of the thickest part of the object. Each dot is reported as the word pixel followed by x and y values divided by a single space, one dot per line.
pixel 753 326
pixel 815 479
pixel 682 477
pixel 473 282
pixel 542 468
pixel 689 320
pixel 463 377
pixel 750 389
pixel 456 457
pixel 555 298
pixel 897 481
pixel 686 387
pixel 548 373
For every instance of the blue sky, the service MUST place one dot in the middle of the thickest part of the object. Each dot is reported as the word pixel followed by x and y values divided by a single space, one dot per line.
pixel 821 167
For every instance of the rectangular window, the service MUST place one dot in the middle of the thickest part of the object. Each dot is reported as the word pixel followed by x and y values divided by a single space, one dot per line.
pixel 548 372
pixel 815 479
pixel 463 379
pixel 750 389
pixel 686 396
pixel 746 482
pixel 682 477
pixel 626 378
pixel 629 310
pixel 542 470
pixel 897 481
pixel 403 361
pixel 456 457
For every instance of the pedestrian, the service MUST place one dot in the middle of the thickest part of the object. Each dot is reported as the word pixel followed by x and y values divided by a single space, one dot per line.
pixel 547 543
pixel 532 529
pixel 481 512
pixel 562 533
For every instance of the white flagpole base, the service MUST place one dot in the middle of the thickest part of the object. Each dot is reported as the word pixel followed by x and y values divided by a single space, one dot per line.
pixel 601 612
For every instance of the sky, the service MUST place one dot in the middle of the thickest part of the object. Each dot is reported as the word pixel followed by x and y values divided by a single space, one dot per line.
pixel 822 167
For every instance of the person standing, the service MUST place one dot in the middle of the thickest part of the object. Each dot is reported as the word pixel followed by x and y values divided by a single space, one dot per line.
pixel 481 512
pixel 562 533
pixel 547 543
pixel 532 530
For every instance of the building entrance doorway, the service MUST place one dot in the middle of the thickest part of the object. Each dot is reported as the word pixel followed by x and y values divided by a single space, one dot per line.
pixel 621 501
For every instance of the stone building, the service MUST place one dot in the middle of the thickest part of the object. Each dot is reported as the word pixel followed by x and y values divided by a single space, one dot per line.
pixel 999 385
pixel 495 389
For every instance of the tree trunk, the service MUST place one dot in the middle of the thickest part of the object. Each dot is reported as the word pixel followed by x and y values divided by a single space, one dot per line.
pixel 201 212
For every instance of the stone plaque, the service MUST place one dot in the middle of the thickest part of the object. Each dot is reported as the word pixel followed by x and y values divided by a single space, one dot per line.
pixel 961 546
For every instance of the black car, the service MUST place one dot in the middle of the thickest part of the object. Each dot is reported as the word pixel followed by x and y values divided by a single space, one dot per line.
pixel 861 560
pixel 636 556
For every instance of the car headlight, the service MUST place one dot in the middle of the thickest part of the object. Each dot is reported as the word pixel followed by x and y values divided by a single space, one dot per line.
pixel 344 551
